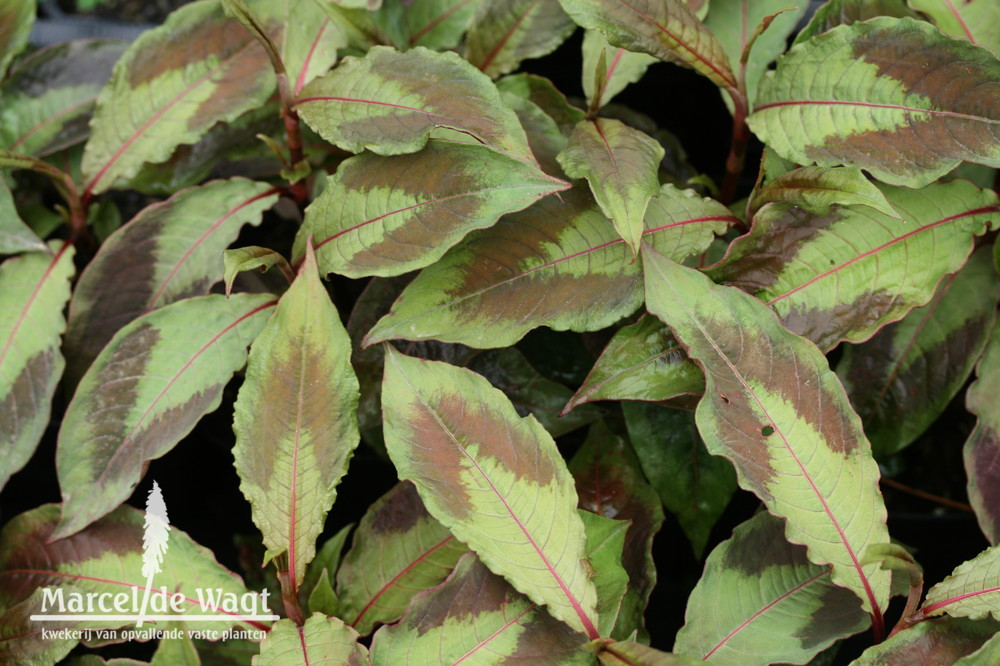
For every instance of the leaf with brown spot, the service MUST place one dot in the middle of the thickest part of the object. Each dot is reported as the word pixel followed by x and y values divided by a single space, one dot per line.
pixel 390 215
pixel 505 32
pixel 295 420
pixel 776 410
pixel 476 617
pixel 779 607
pixel 982 448
pixel 559 264
pixel 494 479
pixel 398 550
pixel 169 88
pixel 845 274
pixel 947 640
pixel 844 12
pixel 816 189
pixel 145 392
pixel 169 251
pixel 34 289
pixel 17 17
pixel 856 96
pixel 902 379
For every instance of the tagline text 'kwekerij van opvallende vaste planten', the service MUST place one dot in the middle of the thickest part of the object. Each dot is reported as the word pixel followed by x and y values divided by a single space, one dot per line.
pixel 590 391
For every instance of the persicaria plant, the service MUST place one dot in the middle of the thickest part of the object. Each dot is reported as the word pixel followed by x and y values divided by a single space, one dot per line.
pixel 559 336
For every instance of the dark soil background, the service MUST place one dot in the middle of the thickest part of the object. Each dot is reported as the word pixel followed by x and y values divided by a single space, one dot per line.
pixel 201 487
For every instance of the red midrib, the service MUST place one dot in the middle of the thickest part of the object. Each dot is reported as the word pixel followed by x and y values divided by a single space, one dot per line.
pixel 293 499
pixel 871 105
pixel 351 100
pixel 506 36
pixel 947 602
pixel 416 36
pixel 302 643
pixel 485 641
pixel 961 21
pixel 31 300
pixel 50 120
pixel 300 80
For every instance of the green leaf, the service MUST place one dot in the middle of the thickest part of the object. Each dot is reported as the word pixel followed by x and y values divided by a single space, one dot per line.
pixel 778 606
pixel 605 542
pixel 17 18
pixel 46 103
pixel 323 568
pixel 558 264
pixel 547 117
pixel 780 415
pixel 987 655
pixel 901 380
pixel 145 392
pixel 844 12
pixel 844 275
pixel 463 445
pixel 251 258
pixel 667 29
pixel 176 652
pixel 694 486
pixel 642 361
pixel 609 483
pixel 944 641
pixel 505 32
pixel 169 88
pixel 972 590
pixel 982 449
pixel 169 251
pixel 857 96
pixel 15 235
pixel 621 68
pixel 630 653
pixel 398 550
pixel 816 189
pixel 436 24
pixel 621 166
pixel 104 558
pixel 296 420
pixel 321 640
pixel 389 215
pixel 390 102
pixel 477 618
pixel 975 20
pixel 34 288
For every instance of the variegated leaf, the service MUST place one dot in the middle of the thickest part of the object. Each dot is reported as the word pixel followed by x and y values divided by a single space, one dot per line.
pixel 546 115
pixel 901 380
pixel 390 102
pixel 321 641
pixel 390 215
pixel 844 12
pixel 558 264
pixel 17 17
pixel 145 391
pixel 477 618
pixel 605 545
pixel 972 590
pixel 780 415
pixel 816 189
pixel 296 420
pixel 975 20
pixel 947 640
pixel 494 479
pixel 505 32
pixel 844 275
pixel 45 104
pixel 169 251
pixel 982 448
pixel 169 88
pixel 436 24
pixel 621 166
pixel 857 96
pixel 641 362
pixel 398 550
pixel 779 607
pixel 667 29
pixel 34 289
pixel 622 68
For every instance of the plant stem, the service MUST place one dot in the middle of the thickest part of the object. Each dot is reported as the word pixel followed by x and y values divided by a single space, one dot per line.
pixel 290 599
pixel 737 148
pixel 943 501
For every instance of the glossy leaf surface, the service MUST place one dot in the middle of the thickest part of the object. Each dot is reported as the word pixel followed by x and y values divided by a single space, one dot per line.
pixel 982 449
pixel 398 550
pixel 389 215
pixel 34 289
pixel 505 32
pixel 169 251
pixel 667 29
pixel 476 617
pixel 779 607
pixel 694 486
pixel 389 102
pixel 856 96
pixel 172 84
pixel 321 641
pixel 47 101
pixel 774 408
pixel 494 479
pixel 156 378
pixel 901 380
pixel 641 362
pixel 296 420
pixel 621 166
pixel 844 275
pixel 558 264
